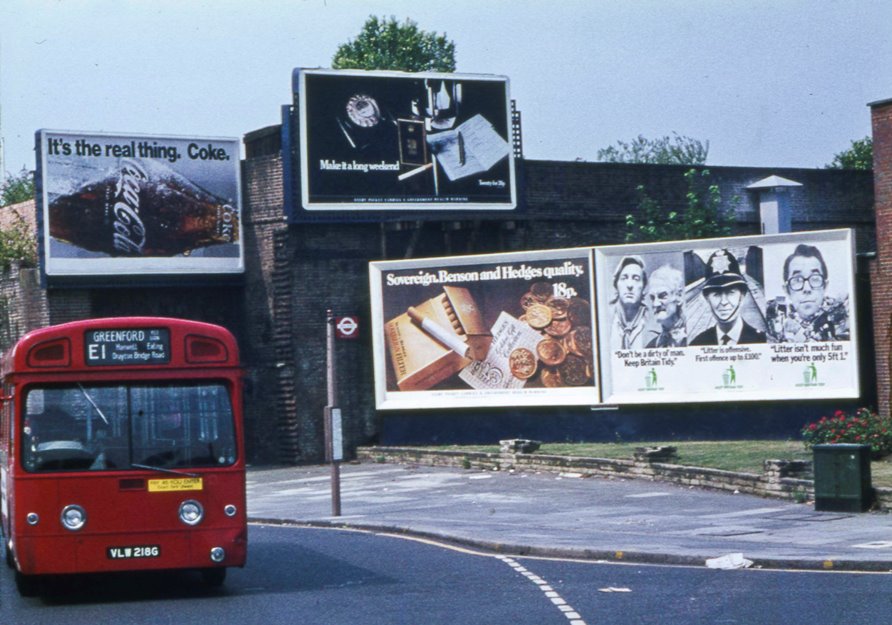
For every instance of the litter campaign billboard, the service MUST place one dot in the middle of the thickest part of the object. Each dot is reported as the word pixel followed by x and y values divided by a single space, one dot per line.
pixel 744 318
pixel 493 330
pixel 377 140
pixel 116 204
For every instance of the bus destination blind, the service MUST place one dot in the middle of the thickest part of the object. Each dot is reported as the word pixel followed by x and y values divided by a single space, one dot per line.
pixel 127 346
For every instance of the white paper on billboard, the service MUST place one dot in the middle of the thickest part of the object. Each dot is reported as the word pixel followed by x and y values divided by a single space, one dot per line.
pixel 745 318
pixel 472 148
pixel 524 322
pixel 494 371
pixel 128 204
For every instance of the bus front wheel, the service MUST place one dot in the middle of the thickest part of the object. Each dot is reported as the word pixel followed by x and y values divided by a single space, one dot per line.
pixel 27 585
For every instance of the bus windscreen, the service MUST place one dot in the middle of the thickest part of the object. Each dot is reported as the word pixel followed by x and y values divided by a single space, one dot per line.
pixel 165 426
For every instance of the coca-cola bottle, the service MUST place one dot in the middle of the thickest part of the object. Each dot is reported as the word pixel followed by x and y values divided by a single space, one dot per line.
pixel 142 208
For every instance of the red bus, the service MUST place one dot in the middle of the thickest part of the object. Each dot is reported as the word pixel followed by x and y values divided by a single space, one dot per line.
pixel 122 449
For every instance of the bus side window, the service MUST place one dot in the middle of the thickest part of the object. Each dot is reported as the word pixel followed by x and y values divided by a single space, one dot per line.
pixel 6 411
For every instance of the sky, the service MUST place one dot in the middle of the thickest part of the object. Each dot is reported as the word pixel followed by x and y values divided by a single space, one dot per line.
pixel 780 83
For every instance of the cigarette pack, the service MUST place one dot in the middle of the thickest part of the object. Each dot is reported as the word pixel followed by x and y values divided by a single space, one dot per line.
pixel 419 360
pixel 413 146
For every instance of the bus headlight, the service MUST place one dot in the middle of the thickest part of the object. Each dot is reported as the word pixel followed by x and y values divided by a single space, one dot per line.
pixel 33 518
pixel 218 554
pixel 73 517
pixel 191 512
pixel 230 510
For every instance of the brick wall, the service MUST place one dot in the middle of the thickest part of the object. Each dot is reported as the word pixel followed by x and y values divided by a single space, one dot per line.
pixel 600 195
pixel 881 279
pixel 775 481
pixel 562 205
pixel 267 350
pixel 23 304
pixel 295 273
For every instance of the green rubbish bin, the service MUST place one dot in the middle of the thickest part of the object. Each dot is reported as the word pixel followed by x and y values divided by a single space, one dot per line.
pixel 842 478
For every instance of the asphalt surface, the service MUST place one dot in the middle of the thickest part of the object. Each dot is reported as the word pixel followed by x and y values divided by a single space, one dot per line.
pixel 546 514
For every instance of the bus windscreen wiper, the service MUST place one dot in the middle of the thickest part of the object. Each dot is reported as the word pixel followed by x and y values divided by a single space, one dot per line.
pixel 92 403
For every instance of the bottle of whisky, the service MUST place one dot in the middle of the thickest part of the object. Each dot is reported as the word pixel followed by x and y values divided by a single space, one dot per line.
pixel 142 208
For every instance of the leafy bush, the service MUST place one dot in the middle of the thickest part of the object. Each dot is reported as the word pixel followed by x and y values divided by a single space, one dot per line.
pixel 864 427
pixel 17 189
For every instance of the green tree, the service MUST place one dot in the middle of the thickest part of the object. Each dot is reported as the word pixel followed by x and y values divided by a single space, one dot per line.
pixel 674 150
pixel 18 242
pixel 703 215
pixel 389 44
pixel 17 189
pixel 858 156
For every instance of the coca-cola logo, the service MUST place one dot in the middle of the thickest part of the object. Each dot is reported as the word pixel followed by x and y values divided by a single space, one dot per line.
pixel 129 229
pixel 227 218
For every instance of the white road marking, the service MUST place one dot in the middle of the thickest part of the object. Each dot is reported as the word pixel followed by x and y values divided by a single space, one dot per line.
pixel 643 495
pixel 550 593
pixel 877 544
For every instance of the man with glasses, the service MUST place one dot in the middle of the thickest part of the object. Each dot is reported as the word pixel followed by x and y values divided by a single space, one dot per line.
pixel 812 316
pixel 725 290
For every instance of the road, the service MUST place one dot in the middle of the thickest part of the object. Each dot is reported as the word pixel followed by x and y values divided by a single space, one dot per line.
pixel 330 577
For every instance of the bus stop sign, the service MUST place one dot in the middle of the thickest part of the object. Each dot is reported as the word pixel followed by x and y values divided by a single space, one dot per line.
pixel 347 327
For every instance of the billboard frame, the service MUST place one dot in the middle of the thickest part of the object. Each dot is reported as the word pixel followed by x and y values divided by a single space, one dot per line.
pixel 498 287
pixel 644 373
pixel 426 181
pixel 209 168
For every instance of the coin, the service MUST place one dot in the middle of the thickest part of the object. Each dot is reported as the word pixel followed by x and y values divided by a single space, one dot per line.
pixel 579 311
pixel 551 352
pixel 522 363
pixel 559 307
pixel 573 371
pixel 538 316
pixel 541 290
pixel 527 300
pixel 579 342
pixel 558 327
pixel 551 377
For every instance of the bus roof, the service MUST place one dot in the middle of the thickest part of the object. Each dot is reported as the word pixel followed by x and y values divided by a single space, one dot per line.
pixel 122 343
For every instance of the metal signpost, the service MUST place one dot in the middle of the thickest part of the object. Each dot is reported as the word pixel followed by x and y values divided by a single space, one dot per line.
pixel 333 453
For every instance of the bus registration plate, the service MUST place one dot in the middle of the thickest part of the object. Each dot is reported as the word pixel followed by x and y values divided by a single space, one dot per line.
pixel 141 551
pixel 173 484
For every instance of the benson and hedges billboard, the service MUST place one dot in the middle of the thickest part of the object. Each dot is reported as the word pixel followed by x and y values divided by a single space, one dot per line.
pixel 495 330
pixel 114 205
pixel 401 141
pixel 735 319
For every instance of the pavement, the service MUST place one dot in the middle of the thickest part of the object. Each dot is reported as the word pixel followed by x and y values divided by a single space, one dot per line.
pixel 567 516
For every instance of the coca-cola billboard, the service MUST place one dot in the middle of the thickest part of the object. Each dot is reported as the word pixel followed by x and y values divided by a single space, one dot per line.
pixel 127 205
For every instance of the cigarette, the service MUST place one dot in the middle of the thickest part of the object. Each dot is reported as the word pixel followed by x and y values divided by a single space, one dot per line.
pixel 440 333
pixel 413 172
